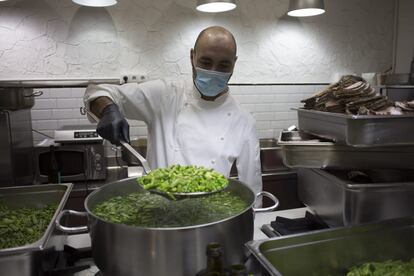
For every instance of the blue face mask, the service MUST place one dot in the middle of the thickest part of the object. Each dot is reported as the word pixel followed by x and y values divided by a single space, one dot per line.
pixel 211 83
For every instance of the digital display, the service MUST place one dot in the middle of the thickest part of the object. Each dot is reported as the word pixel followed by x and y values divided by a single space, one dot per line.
pixel 86 134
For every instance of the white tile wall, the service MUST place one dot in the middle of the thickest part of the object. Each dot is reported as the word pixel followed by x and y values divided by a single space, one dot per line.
pixel 270 105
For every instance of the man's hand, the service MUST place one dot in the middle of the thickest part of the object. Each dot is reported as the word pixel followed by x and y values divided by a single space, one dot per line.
pixel 113 126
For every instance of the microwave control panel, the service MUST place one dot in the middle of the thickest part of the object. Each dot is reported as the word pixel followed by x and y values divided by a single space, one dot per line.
pixel 85 134
pixel 76 134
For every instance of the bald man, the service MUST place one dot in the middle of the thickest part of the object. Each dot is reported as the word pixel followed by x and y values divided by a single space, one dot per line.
pixel 190 121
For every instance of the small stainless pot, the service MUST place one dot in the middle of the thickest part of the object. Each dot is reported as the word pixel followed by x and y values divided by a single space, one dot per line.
pixel 15 98
pixel 124 250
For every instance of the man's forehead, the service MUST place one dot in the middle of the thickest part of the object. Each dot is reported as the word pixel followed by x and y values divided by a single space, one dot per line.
pixel 216 42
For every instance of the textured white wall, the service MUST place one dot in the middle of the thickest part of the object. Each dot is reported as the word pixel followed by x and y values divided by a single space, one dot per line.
pixel 56 38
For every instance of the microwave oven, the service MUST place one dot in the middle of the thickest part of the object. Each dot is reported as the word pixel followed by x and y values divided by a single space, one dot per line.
pixel 74 162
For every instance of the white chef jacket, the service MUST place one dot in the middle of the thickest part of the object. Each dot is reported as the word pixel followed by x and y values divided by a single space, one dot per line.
pixel 185 129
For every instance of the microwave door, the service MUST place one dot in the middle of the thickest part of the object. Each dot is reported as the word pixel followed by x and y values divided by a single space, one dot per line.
pixel 71 163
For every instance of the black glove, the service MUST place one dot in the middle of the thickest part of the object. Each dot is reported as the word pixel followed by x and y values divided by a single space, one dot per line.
pixel 113 126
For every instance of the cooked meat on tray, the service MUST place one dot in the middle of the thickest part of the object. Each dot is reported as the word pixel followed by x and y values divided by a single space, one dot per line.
pixel 353 95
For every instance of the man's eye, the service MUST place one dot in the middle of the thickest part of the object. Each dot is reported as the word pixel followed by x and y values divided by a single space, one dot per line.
pixel 224 67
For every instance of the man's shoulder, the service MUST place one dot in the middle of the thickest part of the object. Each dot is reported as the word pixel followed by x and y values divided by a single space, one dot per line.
pixel 168 86
pixel 178 85
pixel 177 81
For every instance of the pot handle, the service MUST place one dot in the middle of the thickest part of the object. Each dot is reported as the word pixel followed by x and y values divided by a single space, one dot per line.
pixel 71 230
pixel 270 208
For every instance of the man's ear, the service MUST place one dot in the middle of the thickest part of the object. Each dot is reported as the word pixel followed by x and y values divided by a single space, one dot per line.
pixel 192 53
pixel 234 63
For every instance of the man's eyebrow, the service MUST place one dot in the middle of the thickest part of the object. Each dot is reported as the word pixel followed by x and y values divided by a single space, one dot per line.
pixel 205 58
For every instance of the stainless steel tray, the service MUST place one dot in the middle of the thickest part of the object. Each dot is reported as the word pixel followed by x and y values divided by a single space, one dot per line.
pixel 35 196
pixel 339 201
pixel 333 251
pixel 359 131
pixel 303 150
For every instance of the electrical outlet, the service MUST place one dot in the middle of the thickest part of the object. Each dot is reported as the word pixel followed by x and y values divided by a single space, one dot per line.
pixel 132 78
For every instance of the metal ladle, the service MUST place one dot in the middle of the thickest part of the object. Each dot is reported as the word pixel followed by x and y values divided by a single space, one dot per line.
pixel 147 170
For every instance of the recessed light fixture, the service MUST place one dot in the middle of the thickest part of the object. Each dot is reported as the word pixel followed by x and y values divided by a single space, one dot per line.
pixel 95 3
pixel 303 8
pixel 216 5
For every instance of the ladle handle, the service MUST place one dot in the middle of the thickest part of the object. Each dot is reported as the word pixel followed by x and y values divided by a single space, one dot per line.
pixel 141 159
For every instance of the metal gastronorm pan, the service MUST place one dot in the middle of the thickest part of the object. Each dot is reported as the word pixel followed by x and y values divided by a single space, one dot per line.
pixel 25 260
pixel 333 251
pixel 359 130
pixel 303 150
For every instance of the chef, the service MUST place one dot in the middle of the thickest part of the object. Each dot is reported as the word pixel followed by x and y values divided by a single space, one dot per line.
pixel 190 121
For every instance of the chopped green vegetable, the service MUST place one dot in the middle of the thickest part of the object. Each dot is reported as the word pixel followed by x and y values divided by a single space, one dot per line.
pixel 23 226
pixel 149 210
pixel 183 179
pixel 387 268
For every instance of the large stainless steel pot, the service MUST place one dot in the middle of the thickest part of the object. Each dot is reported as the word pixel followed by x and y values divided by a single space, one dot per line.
pixel 127 250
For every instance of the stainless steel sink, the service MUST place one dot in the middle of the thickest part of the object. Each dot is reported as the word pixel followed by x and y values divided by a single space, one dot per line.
pixel 271 156
pixel 270 143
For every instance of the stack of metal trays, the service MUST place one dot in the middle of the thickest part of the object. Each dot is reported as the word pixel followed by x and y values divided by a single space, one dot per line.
pixel 335 251
pixel 26 260
pixel 304 150
pixel 352 144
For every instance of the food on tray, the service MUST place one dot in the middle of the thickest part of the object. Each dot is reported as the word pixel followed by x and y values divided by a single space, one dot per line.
pixel 23 226
pixel 183 179
pixel 151 210
pixel 391 268
pixel 353 95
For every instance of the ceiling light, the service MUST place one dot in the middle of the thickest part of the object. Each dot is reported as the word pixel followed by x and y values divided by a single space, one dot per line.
pixel 302 8
pixel 95 3
pixel 216 5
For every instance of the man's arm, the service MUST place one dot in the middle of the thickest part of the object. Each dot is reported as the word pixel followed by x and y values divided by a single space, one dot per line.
pixel 112 103
pixel 99 104
pixel 135 101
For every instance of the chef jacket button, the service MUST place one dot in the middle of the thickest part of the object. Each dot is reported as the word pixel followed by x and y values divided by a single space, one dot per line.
pixel 213 162
pixel 229 114
pixel 186 104
pixel 221 138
